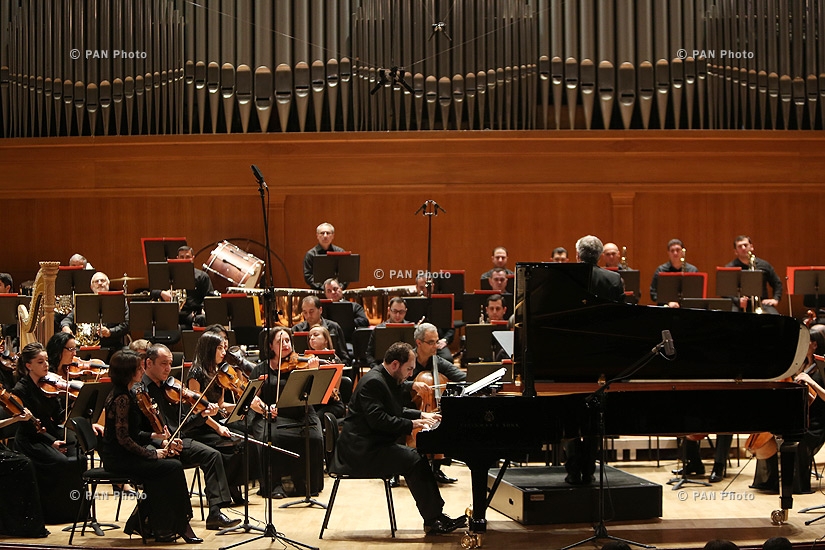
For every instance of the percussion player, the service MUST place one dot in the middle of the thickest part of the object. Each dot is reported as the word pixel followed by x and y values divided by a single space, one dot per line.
pixel 324 233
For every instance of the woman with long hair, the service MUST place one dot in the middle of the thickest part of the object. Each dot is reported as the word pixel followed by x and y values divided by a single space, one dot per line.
pixel 319 339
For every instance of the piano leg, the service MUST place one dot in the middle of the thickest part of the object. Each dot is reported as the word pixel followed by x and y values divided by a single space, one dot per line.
pixel 787 459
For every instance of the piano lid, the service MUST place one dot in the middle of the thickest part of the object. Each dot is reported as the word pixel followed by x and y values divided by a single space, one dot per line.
pixel 564 333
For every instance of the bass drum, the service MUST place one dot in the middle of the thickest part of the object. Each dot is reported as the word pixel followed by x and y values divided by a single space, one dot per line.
pixel 233 267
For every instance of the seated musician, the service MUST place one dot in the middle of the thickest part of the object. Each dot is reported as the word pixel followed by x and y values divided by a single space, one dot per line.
pixel 126 449
pixel 498 280
pixel 495 309
pixel 60 350
pixel 376 420
pixel 320 340
pixel 111 334
pixel 8 332
pixel 559 255
pixel 209 355
pixel 79 260
pixel 744 258
pixel 766 476
pixel 396 314
pixel 20 512
pixel 286 475
pixel 499 259
pixel 53 451
pixel 194 453
pixel 191 312
pixel 673 265
pixel 311 311
pixel 581 451
pixel 335 292
pixel 325 233
pixel 426 359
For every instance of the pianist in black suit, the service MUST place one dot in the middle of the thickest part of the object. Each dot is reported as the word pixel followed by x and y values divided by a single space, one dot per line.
pixel 581 451
pixel 375 422
pixel 766 476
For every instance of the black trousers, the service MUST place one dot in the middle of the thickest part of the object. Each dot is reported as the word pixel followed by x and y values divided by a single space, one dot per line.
pixel 210 460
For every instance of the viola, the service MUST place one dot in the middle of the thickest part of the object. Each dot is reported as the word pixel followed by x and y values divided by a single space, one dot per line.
pixel 93 367
pixel 428 402
pixel 149 408
pixel 232 379
pixel 15 407
pixel 176 393
pixel 52 384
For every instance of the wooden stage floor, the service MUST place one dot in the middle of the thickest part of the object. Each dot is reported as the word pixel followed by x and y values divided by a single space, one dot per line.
pixel 360 520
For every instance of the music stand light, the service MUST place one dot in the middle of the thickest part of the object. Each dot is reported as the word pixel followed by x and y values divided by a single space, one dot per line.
pixel 344 266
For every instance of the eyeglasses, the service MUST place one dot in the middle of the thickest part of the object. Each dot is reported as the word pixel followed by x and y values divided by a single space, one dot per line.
pixel 430 342
pixel 398 311
pixel 71 349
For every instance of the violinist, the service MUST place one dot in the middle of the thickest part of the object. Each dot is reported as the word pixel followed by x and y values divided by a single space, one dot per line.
pixel 312 312
pixel 20 511
pixel 766 476
pixel 128 450
pixel 61 349
pixel 194 453
pixel 286 473
pixel 52 450
pixel 8 366
pixel 319 339
pixel 426 356
pixel 209 354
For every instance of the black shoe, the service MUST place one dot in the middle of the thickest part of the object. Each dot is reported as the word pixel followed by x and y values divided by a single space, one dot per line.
pixel 717 474
pixel 691 469
pixel 166 537
pixel 444 524
pixel 218 521
pixel 769 487
pixel 189 536
pixel 573 479
pixel 395 482
pixel 442 478
pixel 237 496
pixel 588 479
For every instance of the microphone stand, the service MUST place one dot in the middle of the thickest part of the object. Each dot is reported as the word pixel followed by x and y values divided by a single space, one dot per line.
pixel 430 208
pixel 269 530
pixel 598 399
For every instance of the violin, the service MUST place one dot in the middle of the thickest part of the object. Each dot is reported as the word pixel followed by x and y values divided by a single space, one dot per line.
pixel 176 393
pixel 93 367
pixel 294 361
pixel 15 407
pixel 149 408
pixel 52 384
pixel 232 379
pixel 8 362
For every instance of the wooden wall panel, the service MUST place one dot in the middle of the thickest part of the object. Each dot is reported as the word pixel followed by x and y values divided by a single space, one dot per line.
pixel 528 191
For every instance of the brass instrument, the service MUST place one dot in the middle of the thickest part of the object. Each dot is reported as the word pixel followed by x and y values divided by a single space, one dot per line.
pixel 36 323
pixel 623 262
pixel 87 334
pixel 755 300
pixel 684 264
pixel 179 297
pixel 63 304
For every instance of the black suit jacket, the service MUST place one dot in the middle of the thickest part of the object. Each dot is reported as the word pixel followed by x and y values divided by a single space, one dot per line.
pixel 375 421
pixel 606 284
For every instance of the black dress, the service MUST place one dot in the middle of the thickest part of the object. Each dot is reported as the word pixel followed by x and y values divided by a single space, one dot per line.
pixel 285 470
pixel 58 474
pixel 125 450
pixel 20 511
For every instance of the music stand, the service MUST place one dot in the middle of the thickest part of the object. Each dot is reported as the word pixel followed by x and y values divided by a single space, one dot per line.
pixel 155 317
pixel 479 341
pixel 171 275
pixel 674 287
pixel 307 387
pixel 106 307
pixel 91 400
pixel 631 279
pixel 454 284
pixel 71 278
pixel 233 310
pixel 716 304
pixel 342 313
pixel 811 283
pixel 92 352
pixel 393 332
pixel 344 266
pixel 734 282
pixel 159 249
pixel 438 309
pixel 300 342
pixel 8 307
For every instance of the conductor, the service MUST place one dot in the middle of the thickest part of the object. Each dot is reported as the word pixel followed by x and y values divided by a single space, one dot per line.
pixel 376 420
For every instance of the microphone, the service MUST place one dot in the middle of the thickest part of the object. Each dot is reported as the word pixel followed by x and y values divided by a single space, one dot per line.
pixel 667 342
pixel 258 176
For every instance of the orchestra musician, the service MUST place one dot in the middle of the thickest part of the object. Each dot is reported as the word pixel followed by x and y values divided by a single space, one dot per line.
pixel 376 419
pixel 495 308
pixel 325 233
pixel 60 350
pixel 612 258
pixel 52 450
pixel 8 332
pixel 744 258
pixel 499 259
pixel 673 265
pixel 559 255
pixel 194 453
pixel 581 451
pixel 191 312
pixel 320 340
pixel 335 292
pixel 111 334
pixel 396 314
pixel 312 312
pixel 80 260
pixel 209 355
pixel 20 511
pixel 766 476
pixel 286 474
pixel 146 455
pixel 498 280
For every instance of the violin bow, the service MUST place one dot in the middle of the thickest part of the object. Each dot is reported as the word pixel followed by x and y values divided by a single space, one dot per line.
pixel 191 409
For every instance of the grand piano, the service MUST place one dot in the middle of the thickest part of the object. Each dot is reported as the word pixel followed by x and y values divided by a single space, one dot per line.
pixel 725 378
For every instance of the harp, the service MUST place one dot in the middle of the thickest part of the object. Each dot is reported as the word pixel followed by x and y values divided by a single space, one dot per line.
pixel 36 323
